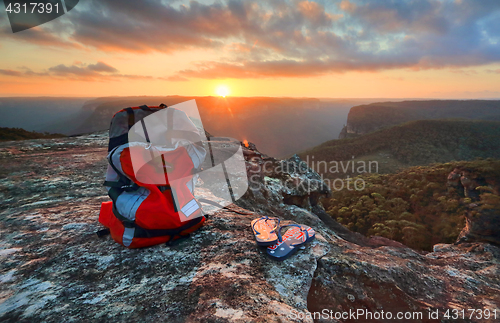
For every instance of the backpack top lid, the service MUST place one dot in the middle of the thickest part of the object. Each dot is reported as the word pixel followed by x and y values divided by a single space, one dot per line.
pixel 124 119
pixel 156 141
pixel 168 128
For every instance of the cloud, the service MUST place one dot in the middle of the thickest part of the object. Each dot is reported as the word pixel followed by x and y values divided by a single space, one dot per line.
pixel 79 71
pixel 147 26
pixel 174 78
pixel 39 36
pixel 285 38
pixel 28 72
pixel 283 68
pixel 92 70
pixel 10 73
pixel 250 69
pixel 101 67
pixel 398 16
pixel 25 72
pixel 347 6
pixel 316 15
pixel 464 72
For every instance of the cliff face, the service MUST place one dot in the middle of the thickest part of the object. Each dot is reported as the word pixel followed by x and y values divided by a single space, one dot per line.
pixel 364 119
pixel 53 268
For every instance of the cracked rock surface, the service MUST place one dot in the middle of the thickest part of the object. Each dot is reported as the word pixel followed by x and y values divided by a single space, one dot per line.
pixel 53 268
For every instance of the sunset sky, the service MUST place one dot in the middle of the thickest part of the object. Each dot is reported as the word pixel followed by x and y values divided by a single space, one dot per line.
pixel 327 49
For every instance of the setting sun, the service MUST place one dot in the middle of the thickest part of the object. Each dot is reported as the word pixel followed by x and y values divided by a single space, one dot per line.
pixel 222 90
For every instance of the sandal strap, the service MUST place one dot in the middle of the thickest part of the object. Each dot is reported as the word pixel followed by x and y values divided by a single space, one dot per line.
pixel 266 218
pixel 292 225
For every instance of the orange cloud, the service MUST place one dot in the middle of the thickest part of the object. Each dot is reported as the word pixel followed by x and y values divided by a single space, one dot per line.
pixel 316 13
pixel 348 6
pixel 174 78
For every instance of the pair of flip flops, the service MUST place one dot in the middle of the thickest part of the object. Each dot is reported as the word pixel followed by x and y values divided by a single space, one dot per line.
pixel 267 232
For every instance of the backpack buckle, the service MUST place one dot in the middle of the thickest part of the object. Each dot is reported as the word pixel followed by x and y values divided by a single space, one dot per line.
pixel 129 188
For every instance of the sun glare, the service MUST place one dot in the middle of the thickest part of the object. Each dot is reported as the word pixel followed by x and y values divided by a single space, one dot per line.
pixel 222 90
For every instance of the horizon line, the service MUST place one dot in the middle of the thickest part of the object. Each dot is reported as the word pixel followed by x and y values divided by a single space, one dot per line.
pixel 257 96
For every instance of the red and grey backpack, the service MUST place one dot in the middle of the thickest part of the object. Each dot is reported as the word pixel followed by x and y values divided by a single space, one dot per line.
pixel 152 159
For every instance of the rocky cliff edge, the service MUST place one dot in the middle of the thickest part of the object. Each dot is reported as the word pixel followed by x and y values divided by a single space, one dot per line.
pixel 53 268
